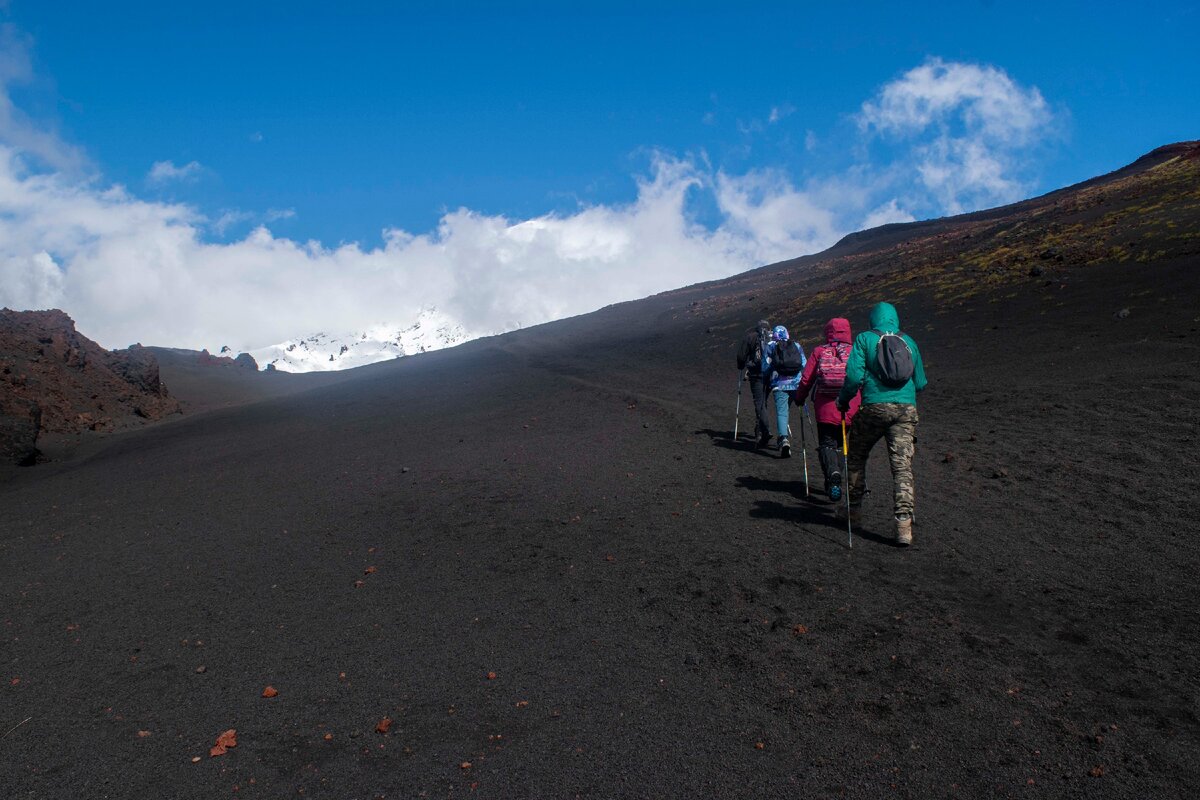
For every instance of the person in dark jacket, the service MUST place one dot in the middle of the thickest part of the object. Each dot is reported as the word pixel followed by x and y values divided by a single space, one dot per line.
pixel 752 357
pixel 887 411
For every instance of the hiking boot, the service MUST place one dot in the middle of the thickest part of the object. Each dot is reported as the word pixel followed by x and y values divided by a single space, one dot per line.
pixel 833 486
pixel 764 440
pixel 785 447
pixel 904 531
pixel 855 515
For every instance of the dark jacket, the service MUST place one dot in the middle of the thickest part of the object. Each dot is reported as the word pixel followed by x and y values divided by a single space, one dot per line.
pixel 745 354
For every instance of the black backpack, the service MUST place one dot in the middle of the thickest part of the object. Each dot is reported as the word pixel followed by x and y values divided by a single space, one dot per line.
pixel 760 352
pixel 788 360
pixel 893 360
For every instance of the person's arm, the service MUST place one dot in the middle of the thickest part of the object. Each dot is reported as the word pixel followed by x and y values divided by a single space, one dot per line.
pixel 806 379
pixel 856 367
pixel 919 381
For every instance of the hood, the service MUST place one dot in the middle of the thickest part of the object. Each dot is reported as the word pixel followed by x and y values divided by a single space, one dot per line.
pixel 764 326
pixel 885 318
pixel 838 330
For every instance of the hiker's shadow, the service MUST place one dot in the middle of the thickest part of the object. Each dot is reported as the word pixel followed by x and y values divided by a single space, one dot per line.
pixel 756 484
pixel 806 514
pixel 744 443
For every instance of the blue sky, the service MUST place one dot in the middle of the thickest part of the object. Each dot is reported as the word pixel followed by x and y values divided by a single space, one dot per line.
pixel 338 122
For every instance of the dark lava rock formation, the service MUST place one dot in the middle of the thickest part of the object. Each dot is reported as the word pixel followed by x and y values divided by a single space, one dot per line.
pixel 55 380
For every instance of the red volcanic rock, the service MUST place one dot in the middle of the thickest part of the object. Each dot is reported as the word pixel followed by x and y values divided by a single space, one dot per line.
pixel 244 360
pixel 55 380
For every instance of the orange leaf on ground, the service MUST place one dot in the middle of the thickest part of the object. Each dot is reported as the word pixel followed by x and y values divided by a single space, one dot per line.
pixel 143 734
pixel 329 737
pixel 225 741
pixel 491 676
pixel 799 630
pixel 383 725
pixel 522 703
pixel 465 765
pixel 369 570
pixel 759 745
pixel 270 691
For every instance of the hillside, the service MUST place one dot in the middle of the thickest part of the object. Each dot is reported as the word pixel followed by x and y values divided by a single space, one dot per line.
pixel 56 383
pixel 543 559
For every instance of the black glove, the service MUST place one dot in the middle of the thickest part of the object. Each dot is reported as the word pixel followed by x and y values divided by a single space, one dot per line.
pixel 842 406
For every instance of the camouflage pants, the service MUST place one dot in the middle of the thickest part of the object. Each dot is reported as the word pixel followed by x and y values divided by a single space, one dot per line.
pixel 898 423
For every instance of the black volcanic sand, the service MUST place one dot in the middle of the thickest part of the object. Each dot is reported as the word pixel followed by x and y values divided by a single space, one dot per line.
pixel 564 507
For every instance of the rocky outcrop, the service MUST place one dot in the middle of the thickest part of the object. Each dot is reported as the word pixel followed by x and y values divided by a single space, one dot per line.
pixel 55 380
pixel 243 361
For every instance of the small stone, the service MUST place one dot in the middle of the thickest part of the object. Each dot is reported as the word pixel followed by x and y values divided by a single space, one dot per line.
pixel 200 670
pixel 1122 314
pixel 404 469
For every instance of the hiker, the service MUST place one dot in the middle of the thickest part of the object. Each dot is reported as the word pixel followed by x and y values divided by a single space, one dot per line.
pixel 823 377
pixel 787 361
pixel 886 365
pixel 752 357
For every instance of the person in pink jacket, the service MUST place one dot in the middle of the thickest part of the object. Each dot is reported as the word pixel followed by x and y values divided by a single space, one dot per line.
pixel 823 377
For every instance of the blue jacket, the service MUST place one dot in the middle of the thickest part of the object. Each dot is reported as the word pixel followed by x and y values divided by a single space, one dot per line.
pixel 783 383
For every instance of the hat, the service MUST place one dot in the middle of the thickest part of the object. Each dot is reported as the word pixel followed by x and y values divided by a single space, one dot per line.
pixel 781 334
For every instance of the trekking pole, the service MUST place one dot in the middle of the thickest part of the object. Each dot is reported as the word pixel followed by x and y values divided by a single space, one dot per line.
pixel 804 448
pixel 737 413
pixel 846 479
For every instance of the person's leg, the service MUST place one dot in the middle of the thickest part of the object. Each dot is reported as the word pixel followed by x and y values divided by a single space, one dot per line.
pixel 869 425
pixel 759 390
pixel 782 400
pixel 901 443
pixel 829 448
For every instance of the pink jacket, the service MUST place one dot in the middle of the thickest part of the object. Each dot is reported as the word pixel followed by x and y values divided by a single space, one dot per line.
pixel 837 332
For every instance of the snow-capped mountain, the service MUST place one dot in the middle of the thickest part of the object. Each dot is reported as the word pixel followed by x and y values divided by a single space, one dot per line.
pixel 433 330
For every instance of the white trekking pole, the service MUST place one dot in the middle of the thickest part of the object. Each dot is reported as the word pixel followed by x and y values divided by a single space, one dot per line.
pixel 804 447
pixel 737 413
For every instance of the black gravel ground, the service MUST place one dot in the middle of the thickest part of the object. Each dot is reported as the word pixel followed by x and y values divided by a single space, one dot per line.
pixel 664 611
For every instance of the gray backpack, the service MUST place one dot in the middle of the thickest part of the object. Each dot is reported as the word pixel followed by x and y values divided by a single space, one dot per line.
pixel 893 360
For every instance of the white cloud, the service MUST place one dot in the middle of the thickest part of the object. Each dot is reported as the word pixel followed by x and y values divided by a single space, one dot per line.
pixel 165 172
pixel 132 270
pixel 40 147
pixel 968 127
pixel 779 112
pixel 886 214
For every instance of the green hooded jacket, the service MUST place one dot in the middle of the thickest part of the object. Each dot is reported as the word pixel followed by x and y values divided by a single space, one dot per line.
pixel 861 365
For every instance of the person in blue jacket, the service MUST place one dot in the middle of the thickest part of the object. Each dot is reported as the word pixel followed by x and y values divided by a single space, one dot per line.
pixel 786 362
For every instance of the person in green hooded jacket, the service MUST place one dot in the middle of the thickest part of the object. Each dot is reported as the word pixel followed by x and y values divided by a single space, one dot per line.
pixel 887 411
